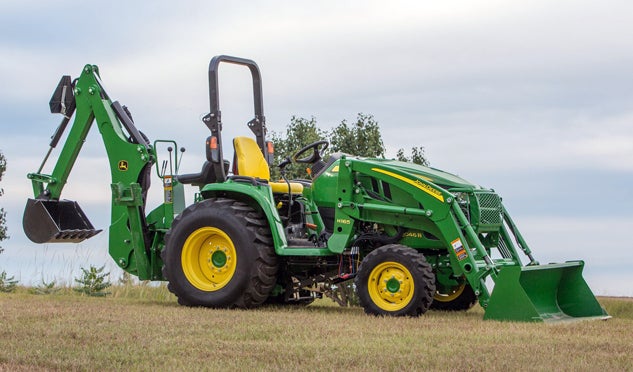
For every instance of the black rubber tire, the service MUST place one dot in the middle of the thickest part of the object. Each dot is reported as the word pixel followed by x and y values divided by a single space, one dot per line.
pixel 464 301
pixel 415 263
pixel 256 268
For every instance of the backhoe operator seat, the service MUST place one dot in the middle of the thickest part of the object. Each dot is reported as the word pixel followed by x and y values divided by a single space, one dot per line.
pixel 249 161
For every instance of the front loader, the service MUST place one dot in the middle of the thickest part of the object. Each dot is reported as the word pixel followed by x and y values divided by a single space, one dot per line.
pixel 412 238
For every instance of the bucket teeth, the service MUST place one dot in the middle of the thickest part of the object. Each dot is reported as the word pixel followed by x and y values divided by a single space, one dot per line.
pixel 74 236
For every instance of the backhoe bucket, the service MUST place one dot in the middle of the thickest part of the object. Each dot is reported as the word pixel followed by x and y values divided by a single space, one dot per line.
pixel 543 293
pixel 53 221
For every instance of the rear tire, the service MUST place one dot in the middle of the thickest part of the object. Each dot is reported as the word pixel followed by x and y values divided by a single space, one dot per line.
pixel 219 253
pixel 395 280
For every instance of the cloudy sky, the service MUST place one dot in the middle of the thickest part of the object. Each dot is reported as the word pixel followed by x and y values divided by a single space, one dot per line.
pixel 531 98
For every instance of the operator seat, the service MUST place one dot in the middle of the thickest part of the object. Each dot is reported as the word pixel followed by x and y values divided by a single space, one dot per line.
pixel 249 161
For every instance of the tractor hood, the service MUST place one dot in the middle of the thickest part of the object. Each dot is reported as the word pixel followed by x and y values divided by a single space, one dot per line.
pixel 443 179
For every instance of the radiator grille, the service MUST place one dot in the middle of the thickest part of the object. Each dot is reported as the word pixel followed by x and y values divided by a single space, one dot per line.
pixel 489 208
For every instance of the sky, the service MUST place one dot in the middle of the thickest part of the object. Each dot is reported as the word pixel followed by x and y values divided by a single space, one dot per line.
pixel 531 98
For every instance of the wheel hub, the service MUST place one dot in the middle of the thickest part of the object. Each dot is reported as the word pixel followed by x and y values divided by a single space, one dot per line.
pixel 218 257
pixel 391 286
pixel 209 259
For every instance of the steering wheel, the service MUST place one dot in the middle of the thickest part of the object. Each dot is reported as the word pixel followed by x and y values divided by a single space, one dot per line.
pixel 317 147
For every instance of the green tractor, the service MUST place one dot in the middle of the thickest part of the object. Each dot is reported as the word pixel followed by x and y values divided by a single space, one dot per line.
pixel 412 238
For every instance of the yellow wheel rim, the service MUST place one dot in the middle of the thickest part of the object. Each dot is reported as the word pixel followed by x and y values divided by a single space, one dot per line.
pixel 390 286
pixel 454 293
pixel 209 259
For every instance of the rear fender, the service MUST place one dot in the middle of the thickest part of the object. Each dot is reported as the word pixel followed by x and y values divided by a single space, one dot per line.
pixel 257 196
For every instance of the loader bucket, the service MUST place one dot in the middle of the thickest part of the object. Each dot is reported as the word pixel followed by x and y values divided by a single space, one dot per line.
pixel 56 221
pixel 543 293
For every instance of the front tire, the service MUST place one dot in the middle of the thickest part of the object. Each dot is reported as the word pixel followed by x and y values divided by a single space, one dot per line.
pixel 459 298
pixel 395 280
pixel 219 253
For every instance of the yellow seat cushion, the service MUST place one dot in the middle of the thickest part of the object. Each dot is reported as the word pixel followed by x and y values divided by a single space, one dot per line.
pixel 249 160
pixel 282 187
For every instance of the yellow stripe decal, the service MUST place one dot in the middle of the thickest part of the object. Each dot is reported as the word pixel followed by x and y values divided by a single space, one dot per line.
pixel 416 183
pixel 423 177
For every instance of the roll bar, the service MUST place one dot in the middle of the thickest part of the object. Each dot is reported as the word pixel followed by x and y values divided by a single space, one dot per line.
pixel 213 120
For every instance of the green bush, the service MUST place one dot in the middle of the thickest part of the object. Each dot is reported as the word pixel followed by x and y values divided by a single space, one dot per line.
pixel 45 288
pixel 7 284
pixel 93 282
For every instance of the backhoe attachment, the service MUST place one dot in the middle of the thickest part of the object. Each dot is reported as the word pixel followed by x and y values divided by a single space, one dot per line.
pixel 48 217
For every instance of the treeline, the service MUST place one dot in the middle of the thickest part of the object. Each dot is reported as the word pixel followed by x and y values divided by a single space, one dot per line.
pixel 361 138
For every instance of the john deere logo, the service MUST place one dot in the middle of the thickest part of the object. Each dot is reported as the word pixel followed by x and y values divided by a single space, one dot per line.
pixel 122 165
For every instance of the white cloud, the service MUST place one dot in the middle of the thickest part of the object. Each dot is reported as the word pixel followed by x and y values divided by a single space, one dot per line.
pixel 602 243
pixel 598 241
pixel 498 141
pixel 602 143
pixel 25 78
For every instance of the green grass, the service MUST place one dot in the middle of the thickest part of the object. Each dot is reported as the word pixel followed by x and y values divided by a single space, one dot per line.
pixel 142 328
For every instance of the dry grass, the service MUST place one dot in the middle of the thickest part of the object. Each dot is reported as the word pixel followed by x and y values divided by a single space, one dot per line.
pixel 144 329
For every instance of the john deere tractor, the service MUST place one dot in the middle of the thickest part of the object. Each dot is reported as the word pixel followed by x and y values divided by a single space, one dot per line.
pixel 411 238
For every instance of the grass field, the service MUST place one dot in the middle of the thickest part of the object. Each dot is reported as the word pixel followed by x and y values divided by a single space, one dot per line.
pixel 142 328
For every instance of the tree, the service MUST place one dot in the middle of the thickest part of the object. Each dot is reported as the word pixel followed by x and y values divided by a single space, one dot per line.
pixel 361 138
pixel 3 214
pixel 417 156
pixel 299 133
